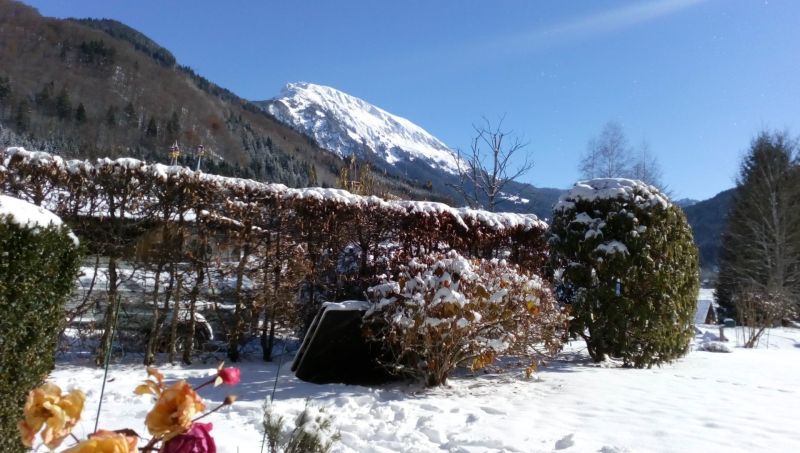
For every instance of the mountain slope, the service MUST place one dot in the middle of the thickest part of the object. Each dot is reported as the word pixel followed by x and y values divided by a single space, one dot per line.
pixel 347 125
pixel 708 219
pixel 87 88
pixel 686 202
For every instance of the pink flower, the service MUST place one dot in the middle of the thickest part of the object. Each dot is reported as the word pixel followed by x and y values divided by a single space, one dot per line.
pixel 230 376
pixel 197 440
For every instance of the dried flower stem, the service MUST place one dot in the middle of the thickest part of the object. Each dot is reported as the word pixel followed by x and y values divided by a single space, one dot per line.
pixel 224 403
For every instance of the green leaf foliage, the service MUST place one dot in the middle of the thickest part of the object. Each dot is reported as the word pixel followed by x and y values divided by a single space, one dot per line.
pixel 628 266
pixel 37 272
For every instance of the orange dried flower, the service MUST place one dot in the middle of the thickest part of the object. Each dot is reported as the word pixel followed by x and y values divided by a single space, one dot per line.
pixel 149 386
pixel 106 442
pixel 58 413
pixel 174 410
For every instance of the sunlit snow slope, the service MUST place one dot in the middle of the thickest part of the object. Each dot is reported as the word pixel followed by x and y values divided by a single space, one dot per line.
pixel 347 125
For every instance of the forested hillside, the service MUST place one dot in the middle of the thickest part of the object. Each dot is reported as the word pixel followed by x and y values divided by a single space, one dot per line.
pixel 96 88
pixel 708 218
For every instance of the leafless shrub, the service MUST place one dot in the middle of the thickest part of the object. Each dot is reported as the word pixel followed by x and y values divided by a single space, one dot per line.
pixel 758 310
pixel 443 311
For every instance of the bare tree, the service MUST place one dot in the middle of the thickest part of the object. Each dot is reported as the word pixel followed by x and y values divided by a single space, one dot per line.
pixel 491 165
pixel 646 167
pixel 607 155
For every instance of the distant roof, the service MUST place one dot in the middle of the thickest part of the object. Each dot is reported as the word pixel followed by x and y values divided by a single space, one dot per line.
pixel 703 306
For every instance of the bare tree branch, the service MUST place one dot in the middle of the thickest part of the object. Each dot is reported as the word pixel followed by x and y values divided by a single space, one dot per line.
pixel 609 155
pixel 491 164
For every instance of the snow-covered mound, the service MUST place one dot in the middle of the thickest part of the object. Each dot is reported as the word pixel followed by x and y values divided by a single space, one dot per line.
pixel 348 125
pixel 28 215
pixel 642 194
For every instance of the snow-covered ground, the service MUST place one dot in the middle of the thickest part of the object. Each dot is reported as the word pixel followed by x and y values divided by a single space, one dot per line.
pixel 745 401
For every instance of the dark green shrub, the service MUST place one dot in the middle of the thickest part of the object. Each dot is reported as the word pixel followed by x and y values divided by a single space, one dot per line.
pixel 37 271
pixel 627 264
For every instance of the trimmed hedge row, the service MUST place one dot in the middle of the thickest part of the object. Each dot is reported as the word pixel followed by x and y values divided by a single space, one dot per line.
pixel 256 231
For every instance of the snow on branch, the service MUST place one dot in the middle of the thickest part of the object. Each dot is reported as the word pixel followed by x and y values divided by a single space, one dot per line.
pixel 18 158
pixel 643 195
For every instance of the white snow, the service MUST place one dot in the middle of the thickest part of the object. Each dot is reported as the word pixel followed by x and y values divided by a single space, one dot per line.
pixel 343 124
pixel 347 305
pixel 706 294
pixel 583 217
pixel 515 199
pixel 641 194
pixel 612 247
pixel 743 401
pixel 494 220
pixel 714 346
pixel 28 215
pixel 740 402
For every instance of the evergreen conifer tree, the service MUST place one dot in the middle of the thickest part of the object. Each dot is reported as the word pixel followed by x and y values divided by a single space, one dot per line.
pixel 22 119
pixel 63 105
pixel 80 114
pixel 760 251
pixel 130 114
pixel 152 128
pixel 111 116
pixel 173 126
pixel 5 89
pixel 627 264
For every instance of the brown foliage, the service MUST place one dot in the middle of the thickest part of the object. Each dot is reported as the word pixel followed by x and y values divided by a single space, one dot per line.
pixel 282 239
pixel 441 311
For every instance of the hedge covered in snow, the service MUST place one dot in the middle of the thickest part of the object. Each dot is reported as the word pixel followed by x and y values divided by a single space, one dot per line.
pixel 133 189
pixel 38 265
pixel 126 206
pixel 627 265
pixel 38 175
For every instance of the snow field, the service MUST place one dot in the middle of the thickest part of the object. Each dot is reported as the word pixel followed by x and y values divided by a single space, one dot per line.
pixel 745 401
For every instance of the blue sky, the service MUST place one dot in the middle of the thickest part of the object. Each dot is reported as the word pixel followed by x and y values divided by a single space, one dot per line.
pixel 696 79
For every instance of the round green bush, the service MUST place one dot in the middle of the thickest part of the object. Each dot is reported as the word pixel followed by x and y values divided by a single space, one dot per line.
pixel 38 265
pixel 626 262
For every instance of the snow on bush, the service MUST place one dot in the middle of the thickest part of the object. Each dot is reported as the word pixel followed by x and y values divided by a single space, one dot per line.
pixel 313 431
pixel 38 175
pixel 30 216
pixel 342 240
pixel 628 266
pixel 115 204
pixel 443 310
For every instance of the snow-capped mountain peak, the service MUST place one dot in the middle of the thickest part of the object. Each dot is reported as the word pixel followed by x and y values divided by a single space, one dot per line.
pixel 347 125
